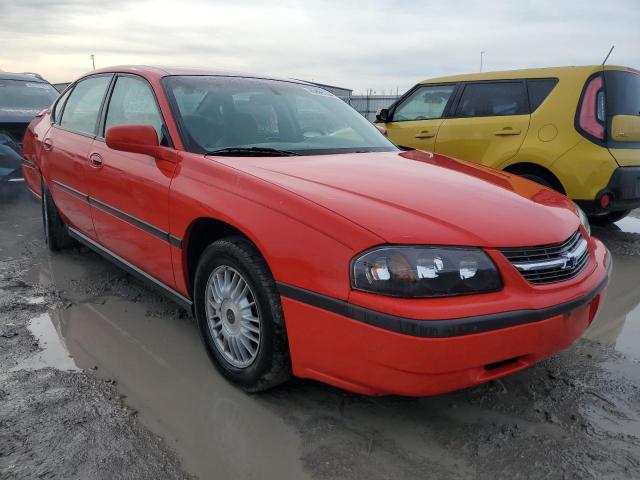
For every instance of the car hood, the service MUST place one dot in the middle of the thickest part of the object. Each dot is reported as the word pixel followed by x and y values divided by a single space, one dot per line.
pixel 422 198
pixel 17 115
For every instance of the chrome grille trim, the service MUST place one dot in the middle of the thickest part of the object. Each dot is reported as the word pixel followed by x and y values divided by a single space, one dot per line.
pixel 550 263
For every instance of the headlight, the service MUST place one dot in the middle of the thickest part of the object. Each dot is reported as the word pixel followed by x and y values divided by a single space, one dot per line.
pixel 584 220
pixel 424 271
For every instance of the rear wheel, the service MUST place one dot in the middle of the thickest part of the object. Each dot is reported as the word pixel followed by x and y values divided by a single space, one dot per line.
pixel 239 315
pixel 607 218
pixel 55 232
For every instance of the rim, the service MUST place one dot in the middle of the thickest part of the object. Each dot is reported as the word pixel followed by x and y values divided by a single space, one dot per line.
pixel 233 317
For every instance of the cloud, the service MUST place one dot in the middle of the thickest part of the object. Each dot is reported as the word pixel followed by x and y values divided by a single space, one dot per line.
pixel 380 44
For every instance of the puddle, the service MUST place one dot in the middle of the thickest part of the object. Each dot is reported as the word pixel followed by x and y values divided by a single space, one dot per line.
pixel 161 367
pixel 54 352
pixel 629 224
pixel 618 321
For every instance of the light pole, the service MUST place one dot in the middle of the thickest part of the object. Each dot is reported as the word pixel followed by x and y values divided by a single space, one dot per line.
pixel 481 55
pixel 93 61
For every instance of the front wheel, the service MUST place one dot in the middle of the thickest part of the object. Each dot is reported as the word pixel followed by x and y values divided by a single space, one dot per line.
pixel 239 315
pixel 607 218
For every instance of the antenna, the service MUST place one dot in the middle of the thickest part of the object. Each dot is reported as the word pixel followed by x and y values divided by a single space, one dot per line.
pixel 607 57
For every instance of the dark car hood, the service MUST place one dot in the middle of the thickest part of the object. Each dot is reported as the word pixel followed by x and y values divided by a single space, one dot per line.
pixel 16 115
pixel 418 197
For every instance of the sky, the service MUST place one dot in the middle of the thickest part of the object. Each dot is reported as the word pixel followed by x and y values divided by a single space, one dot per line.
pixel 382 45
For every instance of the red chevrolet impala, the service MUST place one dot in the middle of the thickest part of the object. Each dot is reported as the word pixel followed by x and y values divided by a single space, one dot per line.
pixel 305 242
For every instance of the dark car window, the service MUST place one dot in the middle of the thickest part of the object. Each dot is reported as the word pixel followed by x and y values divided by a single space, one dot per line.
pixel 57 112
pixel 25 95
pixel 133 103
pixel 493 99
pixel 233 112
pixel 425 103
pixel 539 90
pixel 623 92
pixel 81 111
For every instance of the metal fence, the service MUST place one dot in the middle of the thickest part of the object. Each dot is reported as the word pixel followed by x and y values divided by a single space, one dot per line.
pixel 368 105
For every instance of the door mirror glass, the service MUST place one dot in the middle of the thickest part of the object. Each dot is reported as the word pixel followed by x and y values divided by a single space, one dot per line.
pixel 625 128
pixel 382 115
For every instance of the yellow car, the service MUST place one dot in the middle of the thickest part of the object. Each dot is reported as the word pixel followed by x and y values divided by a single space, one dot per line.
pixel 575 129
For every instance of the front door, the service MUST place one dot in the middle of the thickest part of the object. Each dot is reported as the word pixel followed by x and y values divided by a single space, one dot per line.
pixel 489 123
pixel 66 151
pixel 129 192
pixel 418 117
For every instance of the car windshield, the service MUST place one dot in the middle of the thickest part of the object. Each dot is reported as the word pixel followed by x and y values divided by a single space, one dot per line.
pixel 235 115
pixel 22 94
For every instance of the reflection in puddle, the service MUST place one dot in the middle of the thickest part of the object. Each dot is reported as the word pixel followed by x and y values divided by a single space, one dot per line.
pixel 618 322
pixel 54 353
pixel 629 224
pixel 162 369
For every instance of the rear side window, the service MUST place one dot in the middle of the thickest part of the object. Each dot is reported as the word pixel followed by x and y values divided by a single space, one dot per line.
pixel 425 103
pixel 539 89
pixel 493 99
pixel 81 111
pixel 57 112
pixel 133 103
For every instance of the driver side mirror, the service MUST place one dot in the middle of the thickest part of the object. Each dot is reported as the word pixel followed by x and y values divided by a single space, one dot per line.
pixel 138 139
pixel 382 115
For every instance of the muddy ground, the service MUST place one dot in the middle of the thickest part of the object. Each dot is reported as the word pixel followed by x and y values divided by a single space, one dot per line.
pixel 102 378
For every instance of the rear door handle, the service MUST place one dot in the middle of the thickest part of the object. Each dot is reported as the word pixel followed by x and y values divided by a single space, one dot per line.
pixel 95 160
pixel 425 134
pixel 507 131
pixel 47 144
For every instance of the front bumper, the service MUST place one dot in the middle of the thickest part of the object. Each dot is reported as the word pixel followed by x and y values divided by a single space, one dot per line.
pixel 364 351
pixel 623 186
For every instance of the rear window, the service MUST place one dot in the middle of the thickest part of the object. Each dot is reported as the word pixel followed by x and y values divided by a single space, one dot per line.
pixel 80 113
pixel 623 92
pixel 25 95
pixel 493 99
pixel 539 89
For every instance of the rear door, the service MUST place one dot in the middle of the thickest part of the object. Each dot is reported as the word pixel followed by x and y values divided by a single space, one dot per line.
pixel 129 192
pixel 489 123
pixel 416 119
pixel 66 146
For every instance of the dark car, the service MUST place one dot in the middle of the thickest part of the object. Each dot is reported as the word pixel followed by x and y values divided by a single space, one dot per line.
pixel 22 96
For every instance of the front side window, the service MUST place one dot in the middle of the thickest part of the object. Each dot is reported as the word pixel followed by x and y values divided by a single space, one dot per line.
pixel 81 110
pixel 493 99
pixel 133 103
pixel 215 113
pixel 425 103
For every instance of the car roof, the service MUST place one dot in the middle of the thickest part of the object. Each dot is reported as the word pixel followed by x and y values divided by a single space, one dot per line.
pixel 29 77
pixel 525 73
pixel 157 72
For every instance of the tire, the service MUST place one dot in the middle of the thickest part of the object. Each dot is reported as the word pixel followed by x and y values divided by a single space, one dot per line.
pixel 253 365
pixel 607 218
pixel 55 231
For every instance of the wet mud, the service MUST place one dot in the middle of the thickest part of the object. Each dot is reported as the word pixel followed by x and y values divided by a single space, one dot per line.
pixel 102 378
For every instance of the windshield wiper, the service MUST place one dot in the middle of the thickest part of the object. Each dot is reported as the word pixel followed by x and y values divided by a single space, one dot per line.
pixel 251 151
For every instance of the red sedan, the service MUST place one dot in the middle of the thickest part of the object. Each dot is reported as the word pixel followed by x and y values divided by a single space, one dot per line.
pixel 305 242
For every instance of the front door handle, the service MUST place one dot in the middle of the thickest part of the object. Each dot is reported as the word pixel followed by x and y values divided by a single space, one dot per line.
pixel 425 134
pixel 47 144
pixel 95 160
pixel 507 131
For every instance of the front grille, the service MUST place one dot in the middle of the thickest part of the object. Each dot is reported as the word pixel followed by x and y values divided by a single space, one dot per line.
pixel 550 263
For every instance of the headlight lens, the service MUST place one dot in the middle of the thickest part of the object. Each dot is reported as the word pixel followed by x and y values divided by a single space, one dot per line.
pixel 413 272
pixel 584 220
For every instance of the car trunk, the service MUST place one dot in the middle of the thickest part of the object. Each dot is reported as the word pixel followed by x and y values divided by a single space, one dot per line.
pixel 622 98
